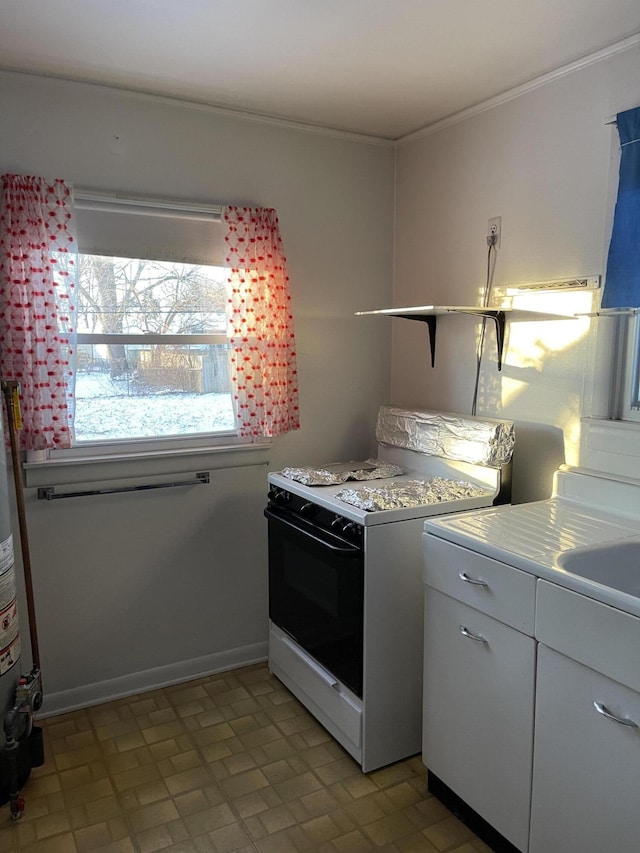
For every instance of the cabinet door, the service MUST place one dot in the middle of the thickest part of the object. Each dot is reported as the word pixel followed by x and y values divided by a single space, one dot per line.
pixel 478 712
pixel 586 772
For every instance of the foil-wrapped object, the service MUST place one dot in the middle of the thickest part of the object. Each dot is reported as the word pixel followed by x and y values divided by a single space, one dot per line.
pixel 337 473
pixel 480 441
pixel 409 493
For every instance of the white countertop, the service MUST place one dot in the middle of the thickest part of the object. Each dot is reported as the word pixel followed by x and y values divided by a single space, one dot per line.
pixel 531 536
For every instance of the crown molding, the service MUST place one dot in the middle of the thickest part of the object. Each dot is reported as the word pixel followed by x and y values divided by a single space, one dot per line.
pixel 336 133
pixel 214 109
pixel 523 89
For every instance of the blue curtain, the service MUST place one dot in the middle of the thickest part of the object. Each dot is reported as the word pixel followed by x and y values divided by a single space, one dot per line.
pixel 622 284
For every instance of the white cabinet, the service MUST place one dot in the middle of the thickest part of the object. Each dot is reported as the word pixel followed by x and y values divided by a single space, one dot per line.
pixel 479 680
pixel 586 774
pixel 499 642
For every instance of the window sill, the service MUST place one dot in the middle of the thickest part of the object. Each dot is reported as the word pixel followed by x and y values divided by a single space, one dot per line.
pixel 149 463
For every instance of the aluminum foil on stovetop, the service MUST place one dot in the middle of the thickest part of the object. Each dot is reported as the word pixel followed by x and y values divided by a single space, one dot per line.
pixel 341 472
pixel 480 441
pixel 409 493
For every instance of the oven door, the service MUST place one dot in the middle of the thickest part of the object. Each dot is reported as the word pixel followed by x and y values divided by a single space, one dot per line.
pixel 316 589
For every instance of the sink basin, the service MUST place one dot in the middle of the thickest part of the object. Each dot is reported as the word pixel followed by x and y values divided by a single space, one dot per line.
pixel 613 564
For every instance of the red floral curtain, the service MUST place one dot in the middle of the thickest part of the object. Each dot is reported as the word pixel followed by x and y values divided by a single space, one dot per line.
pixel 263 356
pixel 37 305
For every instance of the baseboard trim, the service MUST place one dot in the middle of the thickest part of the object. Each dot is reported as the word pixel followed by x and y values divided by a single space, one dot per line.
pixel 86 695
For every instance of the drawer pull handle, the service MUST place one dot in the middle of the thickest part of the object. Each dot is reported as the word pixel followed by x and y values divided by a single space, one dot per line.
pixel 467 633
pixel 320 671
pixel 624 721
pixel 475 581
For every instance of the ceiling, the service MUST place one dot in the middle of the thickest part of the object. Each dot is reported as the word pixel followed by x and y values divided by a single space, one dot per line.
pixel 380 67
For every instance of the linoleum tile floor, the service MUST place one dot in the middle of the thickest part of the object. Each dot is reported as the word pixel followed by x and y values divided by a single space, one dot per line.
pixel 230 762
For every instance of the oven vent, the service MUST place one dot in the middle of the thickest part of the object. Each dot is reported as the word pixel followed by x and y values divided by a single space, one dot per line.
pixel 589 283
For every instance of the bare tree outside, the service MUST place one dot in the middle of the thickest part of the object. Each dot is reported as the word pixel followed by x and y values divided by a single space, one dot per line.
pixel 136 297
pixel 121 295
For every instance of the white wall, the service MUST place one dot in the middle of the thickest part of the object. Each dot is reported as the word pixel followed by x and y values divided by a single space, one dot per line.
pixel 544 162
pixel 132 590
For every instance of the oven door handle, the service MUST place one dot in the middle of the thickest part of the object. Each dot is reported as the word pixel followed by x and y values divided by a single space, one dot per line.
pixel 306 529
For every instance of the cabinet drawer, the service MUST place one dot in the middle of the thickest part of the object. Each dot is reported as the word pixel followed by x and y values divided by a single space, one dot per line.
pixel 592 633
pixel 333 704
pixel 494 588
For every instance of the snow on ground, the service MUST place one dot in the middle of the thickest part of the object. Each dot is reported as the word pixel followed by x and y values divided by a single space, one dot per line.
pixel 109 409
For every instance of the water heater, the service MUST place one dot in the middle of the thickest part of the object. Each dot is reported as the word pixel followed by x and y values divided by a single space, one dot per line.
pixel 9 625
pixel 20 695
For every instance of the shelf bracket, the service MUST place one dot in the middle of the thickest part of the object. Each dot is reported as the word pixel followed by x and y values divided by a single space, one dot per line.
pixel 430 320
pixel 499 318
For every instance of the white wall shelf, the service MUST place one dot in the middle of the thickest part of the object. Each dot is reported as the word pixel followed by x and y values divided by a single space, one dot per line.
pixel 429 314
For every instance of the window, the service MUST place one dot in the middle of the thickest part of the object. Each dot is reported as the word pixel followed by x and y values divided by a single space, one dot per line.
pixel 632 394
pixel 152 354
pixel 153 284
pixel 621 295
pixel 152 350
pixel 626 366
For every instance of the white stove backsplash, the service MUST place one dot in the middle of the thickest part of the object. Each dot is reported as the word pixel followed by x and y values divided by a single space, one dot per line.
pixel 478 440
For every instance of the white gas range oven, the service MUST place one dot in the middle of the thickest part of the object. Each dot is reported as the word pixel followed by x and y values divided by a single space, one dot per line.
pixel 345 587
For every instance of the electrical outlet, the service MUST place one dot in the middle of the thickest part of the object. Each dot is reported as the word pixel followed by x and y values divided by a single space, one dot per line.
pixel 494 229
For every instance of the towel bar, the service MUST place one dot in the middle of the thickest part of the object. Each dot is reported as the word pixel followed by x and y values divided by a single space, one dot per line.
pixel 49 493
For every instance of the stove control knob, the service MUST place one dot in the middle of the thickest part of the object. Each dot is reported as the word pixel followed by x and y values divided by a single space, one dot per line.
pixel 307 508
pixel 279 496
pixel 348 527
pixel 338 521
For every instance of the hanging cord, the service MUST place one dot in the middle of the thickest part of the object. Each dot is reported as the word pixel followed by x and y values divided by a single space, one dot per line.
pixel 486 298
pixel 10 389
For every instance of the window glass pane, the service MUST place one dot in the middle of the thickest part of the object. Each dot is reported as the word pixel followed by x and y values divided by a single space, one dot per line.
pixel 125 296
pixel 633 387
pixel 128 391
